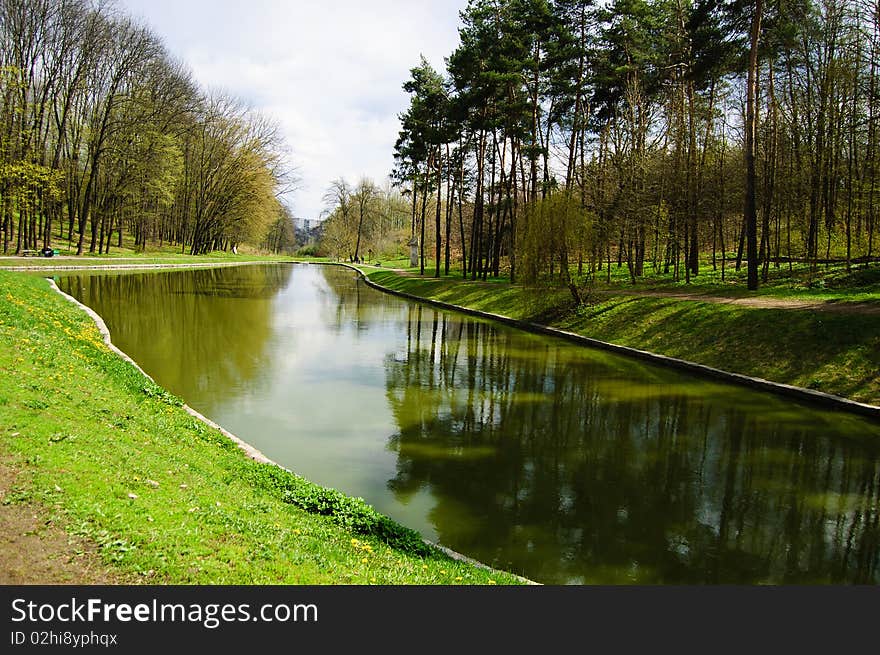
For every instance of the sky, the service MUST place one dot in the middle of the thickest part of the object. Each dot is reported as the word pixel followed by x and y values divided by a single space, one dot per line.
pixel 330 73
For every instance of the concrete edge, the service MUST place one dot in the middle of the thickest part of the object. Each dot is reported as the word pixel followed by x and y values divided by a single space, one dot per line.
pixel 248 449
pixel 791 391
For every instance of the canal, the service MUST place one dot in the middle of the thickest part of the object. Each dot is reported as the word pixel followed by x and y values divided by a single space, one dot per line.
pixel 561 463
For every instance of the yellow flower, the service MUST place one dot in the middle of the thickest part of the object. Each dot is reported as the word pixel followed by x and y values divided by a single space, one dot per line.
pixel 491 582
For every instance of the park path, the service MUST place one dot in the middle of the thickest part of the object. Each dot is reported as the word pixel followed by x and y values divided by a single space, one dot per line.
pixel 35 550
pixel 762 302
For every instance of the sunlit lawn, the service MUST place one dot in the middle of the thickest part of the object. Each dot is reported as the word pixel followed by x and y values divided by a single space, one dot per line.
pixel 117 459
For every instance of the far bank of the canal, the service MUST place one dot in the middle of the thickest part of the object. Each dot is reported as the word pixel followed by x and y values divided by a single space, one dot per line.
pixel 835 352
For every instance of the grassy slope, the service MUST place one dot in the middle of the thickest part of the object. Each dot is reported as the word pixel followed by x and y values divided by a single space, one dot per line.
pixel 117 459
pixel 838 353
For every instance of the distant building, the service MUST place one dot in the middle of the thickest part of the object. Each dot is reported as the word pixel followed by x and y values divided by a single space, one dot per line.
pixel 308 230
pixel 304 224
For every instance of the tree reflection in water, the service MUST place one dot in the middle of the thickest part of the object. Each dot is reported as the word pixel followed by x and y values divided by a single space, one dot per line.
pixel 216 322
pixel 574 467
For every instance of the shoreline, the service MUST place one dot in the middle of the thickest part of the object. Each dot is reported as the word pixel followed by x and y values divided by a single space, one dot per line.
pixel 779 388
pixel 257 456
pixel 795 392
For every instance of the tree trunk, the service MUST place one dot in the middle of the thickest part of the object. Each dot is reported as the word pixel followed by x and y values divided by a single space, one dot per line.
pixel 437 214
pixel 750 213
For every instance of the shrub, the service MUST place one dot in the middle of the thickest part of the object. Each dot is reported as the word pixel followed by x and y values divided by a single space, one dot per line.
pixel 309 250
pixel 352 513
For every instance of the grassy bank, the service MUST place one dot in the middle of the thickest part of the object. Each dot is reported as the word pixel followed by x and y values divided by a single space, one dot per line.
pixel 116 459
pixel 834 352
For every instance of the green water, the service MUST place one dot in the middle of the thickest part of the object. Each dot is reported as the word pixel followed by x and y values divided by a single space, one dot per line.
pixel 561 463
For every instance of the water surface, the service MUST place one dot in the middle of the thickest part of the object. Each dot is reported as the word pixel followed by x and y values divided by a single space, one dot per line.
pixel 564 464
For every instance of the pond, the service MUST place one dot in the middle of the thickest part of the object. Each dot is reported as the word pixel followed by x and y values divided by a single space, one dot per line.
pixel 565 464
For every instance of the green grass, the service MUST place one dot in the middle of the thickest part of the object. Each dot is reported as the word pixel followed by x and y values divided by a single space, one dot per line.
pixel 834 352
pixel 800 281
pixel 128 253
pixel 115 458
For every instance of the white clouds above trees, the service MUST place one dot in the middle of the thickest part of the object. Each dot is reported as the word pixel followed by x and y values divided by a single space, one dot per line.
pixel 329 72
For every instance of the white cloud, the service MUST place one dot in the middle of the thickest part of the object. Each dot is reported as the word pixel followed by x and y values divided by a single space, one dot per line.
pixel 330 73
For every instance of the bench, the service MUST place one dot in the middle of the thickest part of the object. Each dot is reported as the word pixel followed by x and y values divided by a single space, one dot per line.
pixel 40 253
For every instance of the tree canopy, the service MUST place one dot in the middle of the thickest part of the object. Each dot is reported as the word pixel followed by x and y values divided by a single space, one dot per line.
pixel 728 132
pixel 103 132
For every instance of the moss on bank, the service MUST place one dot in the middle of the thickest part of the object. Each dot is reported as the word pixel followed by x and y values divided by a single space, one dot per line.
pixel 117 459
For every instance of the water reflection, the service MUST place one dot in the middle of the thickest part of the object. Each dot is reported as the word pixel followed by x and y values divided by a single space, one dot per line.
pixel 562 463
pixel 204 331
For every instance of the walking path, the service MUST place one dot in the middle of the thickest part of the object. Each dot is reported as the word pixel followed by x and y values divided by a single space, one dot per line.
pixel 34 550
pixel 764 302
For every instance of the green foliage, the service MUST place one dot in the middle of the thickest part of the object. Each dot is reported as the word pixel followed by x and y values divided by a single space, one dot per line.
pixel 104 131
pixel 551 229
pixel 635 106
pixel 26 181
pixel 309 250
pixel 152 390
pixel 351 513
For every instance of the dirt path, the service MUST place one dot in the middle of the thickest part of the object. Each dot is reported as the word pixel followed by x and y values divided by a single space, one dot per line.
pixel 33 550
pixel 765 302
